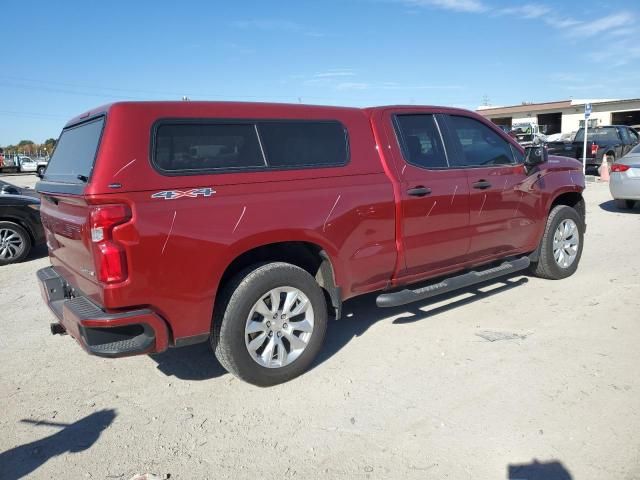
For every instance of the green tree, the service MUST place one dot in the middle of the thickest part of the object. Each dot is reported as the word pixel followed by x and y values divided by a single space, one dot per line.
pixel 26 146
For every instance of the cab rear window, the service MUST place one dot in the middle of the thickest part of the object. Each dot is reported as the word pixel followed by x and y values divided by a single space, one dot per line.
pixel 75 153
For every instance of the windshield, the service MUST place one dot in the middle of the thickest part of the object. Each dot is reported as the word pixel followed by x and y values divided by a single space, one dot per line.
pixel 598 135
pixel 522 128
pixel 72 160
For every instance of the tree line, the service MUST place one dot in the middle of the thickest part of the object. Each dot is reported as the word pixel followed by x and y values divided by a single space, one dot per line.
pixel 29 147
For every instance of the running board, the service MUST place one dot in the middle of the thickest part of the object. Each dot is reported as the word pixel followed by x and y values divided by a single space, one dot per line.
pixel 403 297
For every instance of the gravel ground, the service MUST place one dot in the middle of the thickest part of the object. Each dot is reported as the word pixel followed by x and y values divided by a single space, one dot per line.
pixel 524 378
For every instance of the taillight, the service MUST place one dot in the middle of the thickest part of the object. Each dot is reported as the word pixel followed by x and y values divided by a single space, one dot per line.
pixel 109 256
pixel 619 167
pixel 594 149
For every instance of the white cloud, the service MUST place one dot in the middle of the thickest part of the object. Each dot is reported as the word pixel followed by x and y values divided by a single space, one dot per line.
pixel 528 10
pixel 335 73
pixel 610 23
pixel 352 86
pixel 276 25
pixel 620 24
pixel 472 6
pixel 562 23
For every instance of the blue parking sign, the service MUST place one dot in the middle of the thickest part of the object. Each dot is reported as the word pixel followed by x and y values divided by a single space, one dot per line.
pixel 587 110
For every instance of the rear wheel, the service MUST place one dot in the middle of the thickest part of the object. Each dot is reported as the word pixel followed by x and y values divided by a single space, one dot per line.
pixel 561 244
pixel 625 204
pixel 41 171
pixel 269 323
pixel 15 243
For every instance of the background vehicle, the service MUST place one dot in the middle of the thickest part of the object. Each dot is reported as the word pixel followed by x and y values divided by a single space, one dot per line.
pixel 561 137
pixel 42 165
pixel 7 164
pixel 624 183
pixel 161 216
pixel 528 134
pixel 27 164
pixel 9 188
pixel 611 141
pixel 20 225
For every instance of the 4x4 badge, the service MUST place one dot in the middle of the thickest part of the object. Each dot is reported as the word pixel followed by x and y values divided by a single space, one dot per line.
pixel 193 193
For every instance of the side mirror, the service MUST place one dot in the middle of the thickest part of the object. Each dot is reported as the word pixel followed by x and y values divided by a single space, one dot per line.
pixel 535 156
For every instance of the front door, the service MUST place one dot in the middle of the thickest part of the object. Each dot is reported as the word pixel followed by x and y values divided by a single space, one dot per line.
pixel 435 198
pixel 503 206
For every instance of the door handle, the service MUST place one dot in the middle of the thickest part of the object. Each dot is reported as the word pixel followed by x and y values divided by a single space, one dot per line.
pixel 419 191
pixel 481 184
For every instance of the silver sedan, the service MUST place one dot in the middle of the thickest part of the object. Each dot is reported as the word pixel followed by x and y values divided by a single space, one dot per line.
pixel 625 179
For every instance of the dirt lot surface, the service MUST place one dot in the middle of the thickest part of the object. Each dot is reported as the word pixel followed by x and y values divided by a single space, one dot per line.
pixel 524 378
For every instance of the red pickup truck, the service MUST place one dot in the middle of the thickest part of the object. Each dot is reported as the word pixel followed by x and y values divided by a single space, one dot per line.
pixel 248 225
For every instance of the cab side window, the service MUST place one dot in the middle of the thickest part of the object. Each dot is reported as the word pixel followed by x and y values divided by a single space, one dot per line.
pixel 478 144
pixel 420 140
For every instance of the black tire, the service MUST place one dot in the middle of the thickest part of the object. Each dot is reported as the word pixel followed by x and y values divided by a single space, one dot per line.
pixel 625 204
pixel 40 171
pixel 546 266
pixel 24 238
pixel 233 308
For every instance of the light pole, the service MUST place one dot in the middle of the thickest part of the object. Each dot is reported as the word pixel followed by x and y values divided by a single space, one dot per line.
pixel 587 114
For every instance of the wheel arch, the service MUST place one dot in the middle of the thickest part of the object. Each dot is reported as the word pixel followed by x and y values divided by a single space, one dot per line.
pixel 573 199
pixel 307 255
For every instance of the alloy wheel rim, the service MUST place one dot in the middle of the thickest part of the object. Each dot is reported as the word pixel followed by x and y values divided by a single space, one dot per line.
pixel 279 327
pixel 566 241
pixel 11 244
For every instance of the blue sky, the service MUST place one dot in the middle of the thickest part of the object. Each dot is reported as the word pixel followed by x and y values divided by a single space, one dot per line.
pixel 62 58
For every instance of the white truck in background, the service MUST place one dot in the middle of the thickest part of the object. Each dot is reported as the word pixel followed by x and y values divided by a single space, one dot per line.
pixel 528 133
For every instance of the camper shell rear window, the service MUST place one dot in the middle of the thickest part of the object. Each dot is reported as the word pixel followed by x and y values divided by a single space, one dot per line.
pixel 75 153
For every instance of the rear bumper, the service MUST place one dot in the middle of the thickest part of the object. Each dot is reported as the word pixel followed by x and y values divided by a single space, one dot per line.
pixel 623 187
pixel 130 332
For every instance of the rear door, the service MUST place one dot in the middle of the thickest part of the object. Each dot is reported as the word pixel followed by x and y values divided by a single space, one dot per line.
pixel 503 209
pixel 435 198
pixel 64 211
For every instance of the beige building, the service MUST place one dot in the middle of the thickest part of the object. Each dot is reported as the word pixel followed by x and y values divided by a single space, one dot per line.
pixel 567 115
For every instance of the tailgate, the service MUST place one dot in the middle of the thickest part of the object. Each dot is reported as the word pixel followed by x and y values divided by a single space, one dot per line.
pixel 66 226
pixel 64 209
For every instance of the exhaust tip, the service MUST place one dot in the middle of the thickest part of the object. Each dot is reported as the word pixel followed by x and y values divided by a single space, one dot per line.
pixel 57 329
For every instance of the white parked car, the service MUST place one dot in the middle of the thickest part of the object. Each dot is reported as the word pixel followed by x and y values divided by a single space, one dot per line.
pixel 625 179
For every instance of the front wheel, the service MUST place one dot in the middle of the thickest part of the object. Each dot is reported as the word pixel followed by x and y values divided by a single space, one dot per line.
pixel 15 243
pixel 269 323
pixel 561 244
